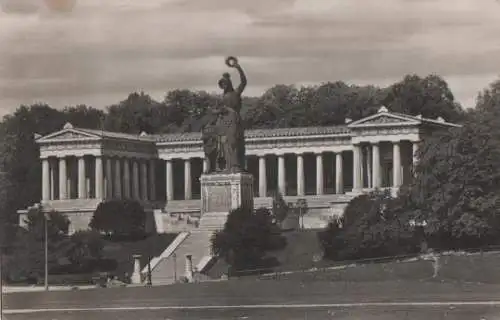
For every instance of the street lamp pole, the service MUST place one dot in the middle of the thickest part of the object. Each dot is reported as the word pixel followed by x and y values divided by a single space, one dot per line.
pixel 149 280
pixel 3 230
pixel 46 219
pixel 175 266
pixel 1 278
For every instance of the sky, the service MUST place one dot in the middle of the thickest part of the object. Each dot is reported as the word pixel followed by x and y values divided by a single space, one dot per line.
pixel 96 52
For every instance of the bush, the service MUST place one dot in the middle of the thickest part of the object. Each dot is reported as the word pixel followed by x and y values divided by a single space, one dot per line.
pixel 246 237
pixel 120 218
pixel 84 247
pixel 373 225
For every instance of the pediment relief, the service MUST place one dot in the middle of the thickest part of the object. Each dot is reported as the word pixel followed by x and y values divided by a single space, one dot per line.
pixel 68 134
pixel 384 119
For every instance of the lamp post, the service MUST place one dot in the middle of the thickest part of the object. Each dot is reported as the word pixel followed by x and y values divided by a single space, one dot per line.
pixel 149 282
pixel 1 274
pixel 46 238
pixel 3 230
pixel 175 266
pixel 301 204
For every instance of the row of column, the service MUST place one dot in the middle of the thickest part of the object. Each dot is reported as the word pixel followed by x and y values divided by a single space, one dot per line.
pixel 115 183
pixel 339 185
pixel 137 178
pixel 375 174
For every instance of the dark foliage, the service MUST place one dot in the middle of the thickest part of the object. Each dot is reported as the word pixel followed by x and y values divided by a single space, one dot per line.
pixel 372 226
pixel 120 219
pixel 246 237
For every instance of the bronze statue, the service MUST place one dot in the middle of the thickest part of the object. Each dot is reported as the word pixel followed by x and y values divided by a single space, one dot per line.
pixel 223 138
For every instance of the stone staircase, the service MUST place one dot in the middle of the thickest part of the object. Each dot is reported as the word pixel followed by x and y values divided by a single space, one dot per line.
pixel 171 266
pixel 213 221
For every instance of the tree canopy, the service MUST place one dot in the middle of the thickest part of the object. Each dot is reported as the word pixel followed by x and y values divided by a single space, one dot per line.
pixel 457 188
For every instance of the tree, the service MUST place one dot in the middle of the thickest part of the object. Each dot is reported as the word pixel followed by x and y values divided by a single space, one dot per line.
pixel 119 218
pixel 137 113
pixel 430 97
pixel 26 258
pixel 57 225
pixel 456 191
pixel 245 238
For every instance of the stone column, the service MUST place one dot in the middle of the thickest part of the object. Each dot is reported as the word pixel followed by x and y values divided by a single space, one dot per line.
pixel 339 173
pixel 152 179
pixel 356 168
pixel 187 179
pixel 396 165
pixel 281 174
pixel 45 179
pixel 189 268
pixel 300 175
pixel 136 275
pixel 109 179
pixel 99 178
pixel 82 179
pixel 369 167
pixel 63 179
pixel 376 165
pixel 52 177
pixel 362 165
pixel 126 178
pixel 414 154
pixel 118 179
pixel 262 177
pixel 144 180
pixel 319 174
pixel 135 180
pixel 170 180
pixel 206 165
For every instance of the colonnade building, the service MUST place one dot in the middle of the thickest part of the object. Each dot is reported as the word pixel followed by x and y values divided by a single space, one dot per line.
pixel 327 166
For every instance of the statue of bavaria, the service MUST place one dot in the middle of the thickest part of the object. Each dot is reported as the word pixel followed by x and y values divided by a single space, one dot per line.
pixel 223 138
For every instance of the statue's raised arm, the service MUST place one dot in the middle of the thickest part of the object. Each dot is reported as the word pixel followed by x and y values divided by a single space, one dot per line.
pixel 233 63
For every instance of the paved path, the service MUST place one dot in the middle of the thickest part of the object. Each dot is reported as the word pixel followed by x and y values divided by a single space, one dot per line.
pixel 264 300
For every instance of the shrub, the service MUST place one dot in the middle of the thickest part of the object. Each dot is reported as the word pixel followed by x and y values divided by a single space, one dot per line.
pixel 83 248
pixel 372 226
pixel 119 218
pixel 246 237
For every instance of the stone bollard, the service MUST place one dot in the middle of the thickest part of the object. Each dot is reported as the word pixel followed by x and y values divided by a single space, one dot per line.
pixel 189 268
pixel 136 276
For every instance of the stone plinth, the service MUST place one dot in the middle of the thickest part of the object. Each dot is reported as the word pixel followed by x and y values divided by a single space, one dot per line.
pixel 221 193
pixel 189 268
pixel 136 275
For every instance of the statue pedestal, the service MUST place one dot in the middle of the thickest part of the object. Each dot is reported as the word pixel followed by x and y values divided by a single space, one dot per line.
pixel 221 193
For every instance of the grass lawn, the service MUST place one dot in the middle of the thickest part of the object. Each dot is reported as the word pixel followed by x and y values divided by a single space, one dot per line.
pixel 384 313
pixel 123 251
pixel 303 252
pixel 476 268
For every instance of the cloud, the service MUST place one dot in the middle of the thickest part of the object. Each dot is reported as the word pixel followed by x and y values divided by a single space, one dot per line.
pixel 99 51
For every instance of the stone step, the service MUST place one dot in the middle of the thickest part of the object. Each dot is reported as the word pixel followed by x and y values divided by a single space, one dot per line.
pixel 173 267
pixel 213 221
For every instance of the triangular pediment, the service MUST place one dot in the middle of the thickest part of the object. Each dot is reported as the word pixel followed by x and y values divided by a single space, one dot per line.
pixel 385 119
pixel 68 134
